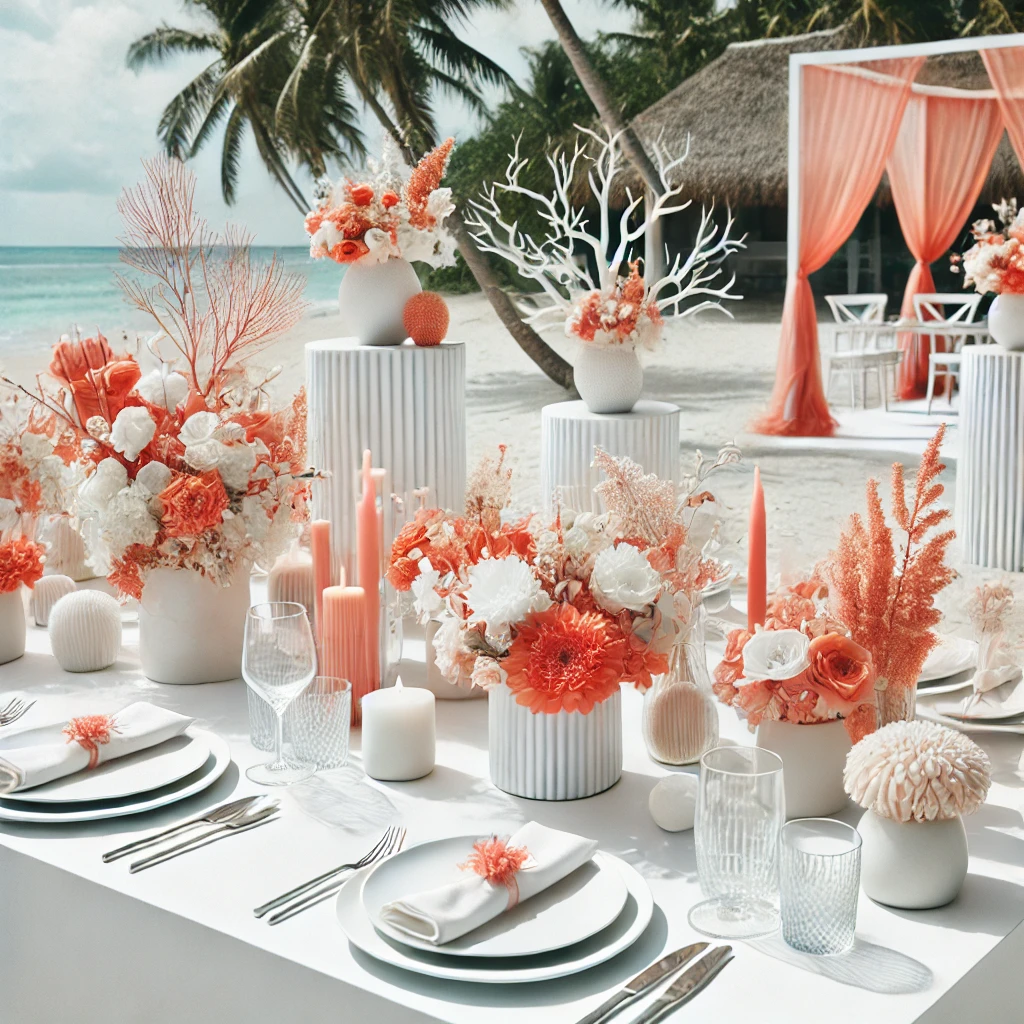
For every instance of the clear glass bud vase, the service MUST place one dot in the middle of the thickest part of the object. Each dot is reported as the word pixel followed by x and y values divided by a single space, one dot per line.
pixel 680 715
pixel 896 704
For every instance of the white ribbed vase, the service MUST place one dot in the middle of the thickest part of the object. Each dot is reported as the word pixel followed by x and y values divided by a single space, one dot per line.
pixel 609 378
pixel 408 406
pixel 85 631
pixel 190 629
pixel 12 625
pixel 813 758
pixel 564 756
pixel 371 300
pixel 46 593
pixel 570 432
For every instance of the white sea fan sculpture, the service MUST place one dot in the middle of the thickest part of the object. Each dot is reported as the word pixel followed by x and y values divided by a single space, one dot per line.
pixel 46 593
pixel 85 631
pixel 917 771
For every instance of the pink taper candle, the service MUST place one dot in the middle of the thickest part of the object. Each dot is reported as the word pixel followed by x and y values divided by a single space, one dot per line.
pixel 757 564
pixel 368 568
pixel 320 543
pixel 343 648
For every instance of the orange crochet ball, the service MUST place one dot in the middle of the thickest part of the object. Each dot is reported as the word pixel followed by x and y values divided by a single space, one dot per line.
pixel 426 318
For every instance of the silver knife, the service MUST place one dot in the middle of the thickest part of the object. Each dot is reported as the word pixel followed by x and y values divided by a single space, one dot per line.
pixel 644 981
pixel 687 985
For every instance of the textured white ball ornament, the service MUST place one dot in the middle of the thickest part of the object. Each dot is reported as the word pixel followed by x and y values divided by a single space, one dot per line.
pixel 85 631
pixel 46 593
pixel 673 802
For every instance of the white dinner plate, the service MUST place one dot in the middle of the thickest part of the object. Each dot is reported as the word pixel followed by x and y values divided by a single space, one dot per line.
pixel 216 764
pixel 925 711
pixel 141 772
pixel 951 655
pixel 620 935
pixel 565 913
pixel 1000 704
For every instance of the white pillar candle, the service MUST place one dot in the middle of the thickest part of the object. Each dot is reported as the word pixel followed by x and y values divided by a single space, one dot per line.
pixel 398 733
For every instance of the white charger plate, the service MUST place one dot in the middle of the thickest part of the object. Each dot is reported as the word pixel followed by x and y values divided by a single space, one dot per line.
pixel 216 765
pixel 620 935
pixel 951 655
pixel 571 910
pixel 141 772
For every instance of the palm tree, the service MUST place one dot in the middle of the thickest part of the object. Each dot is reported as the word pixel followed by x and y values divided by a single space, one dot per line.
pixel 240 87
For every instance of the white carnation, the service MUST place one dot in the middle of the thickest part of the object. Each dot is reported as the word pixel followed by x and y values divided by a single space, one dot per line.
pixel 127 520
pixel 502 592
pixel 623 579
pixel 163 388
pixel 234 463
pixel 427 602
pixel 133 429
pixel 106 480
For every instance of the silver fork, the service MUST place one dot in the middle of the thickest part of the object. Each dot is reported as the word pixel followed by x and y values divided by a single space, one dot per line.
pixel 216 816
pixel 15 708
pixel 249 819
pixel 393 840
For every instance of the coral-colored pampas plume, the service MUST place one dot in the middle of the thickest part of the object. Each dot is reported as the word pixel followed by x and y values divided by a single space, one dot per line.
pixel 425 177
pixel 885 594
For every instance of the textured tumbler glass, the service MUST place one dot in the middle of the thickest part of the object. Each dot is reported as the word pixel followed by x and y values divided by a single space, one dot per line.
pixel 318 722
pixel 819 871
pixel 740 810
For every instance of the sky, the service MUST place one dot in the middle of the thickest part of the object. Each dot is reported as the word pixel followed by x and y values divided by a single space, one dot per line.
pixel 75 122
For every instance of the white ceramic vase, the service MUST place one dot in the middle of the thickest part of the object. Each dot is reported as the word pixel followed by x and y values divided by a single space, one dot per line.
pixel 813 758
pixel 190 629
pixel 609 378
pixel 12 625
pixel 371 299
pixel 1006 321
pixel 563 756
pixel 912 865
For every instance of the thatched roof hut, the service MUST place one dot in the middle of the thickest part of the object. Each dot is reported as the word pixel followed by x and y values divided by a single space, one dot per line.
pixel 736 114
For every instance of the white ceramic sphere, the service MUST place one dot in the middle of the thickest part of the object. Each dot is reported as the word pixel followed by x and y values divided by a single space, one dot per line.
pixel 673 802
pixel 85 631
pixel 46 593
pixel 609 378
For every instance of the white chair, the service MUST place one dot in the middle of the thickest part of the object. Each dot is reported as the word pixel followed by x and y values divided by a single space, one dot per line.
pixel 949 310
pixel 859 343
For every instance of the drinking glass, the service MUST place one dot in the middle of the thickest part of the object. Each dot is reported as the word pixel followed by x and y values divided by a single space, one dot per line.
pixel 319 721
pixel 819 873
pixel 740 810
pixel 278 662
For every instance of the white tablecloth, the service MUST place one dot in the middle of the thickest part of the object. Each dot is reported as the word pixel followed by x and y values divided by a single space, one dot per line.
pixel 88 942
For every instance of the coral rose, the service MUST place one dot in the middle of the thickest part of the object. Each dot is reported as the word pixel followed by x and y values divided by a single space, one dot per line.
pixel 841 672
pixel 362 194
pixel 193 504
pixel 389 199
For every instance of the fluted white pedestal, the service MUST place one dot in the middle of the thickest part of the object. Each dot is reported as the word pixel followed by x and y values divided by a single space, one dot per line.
pixel 649 435
pixel 407 405
pixel 990 469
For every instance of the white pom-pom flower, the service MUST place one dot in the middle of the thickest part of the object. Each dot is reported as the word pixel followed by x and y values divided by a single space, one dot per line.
pixel 775 654
pixel 133 429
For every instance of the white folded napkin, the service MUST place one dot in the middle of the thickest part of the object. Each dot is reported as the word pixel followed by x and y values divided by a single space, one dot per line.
pixel 443 914
pixel 51 752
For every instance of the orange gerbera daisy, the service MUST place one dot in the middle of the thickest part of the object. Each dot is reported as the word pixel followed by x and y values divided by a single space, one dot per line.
pixel 21 561
pixel 565 660
pixel 193 504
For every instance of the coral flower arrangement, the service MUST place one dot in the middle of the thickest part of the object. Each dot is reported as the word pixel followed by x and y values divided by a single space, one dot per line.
pixel 995 263
pixel 387 215
pixel 183 466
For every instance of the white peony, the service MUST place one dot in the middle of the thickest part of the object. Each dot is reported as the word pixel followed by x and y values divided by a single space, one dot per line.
pixel 154 477
pixel 622 578
pixel 427 601
pixel 163 388
pixel 776 654
pixel 98 488
pixel 502 592
pixel 133 429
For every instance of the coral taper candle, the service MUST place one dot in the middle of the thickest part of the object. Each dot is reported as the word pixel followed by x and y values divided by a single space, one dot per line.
pixel 320 543
pixel 757 558
pixel 343 647
pixel 368 568
pixel 379 484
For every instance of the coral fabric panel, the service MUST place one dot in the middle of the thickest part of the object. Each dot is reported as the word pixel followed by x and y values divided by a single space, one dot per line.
pixel 849 117
pixel 937 169
pixel 1006 70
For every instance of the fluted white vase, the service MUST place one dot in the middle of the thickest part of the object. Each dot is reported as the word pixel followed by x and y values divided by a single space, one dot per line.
pixel 85 631
pixel 813 758
pixel 65 549
pixel 371 299
pixel 561 756
pixel 1006 321
pixel 12 625
pixel 46 593
pixel 609 378
pixel 191 629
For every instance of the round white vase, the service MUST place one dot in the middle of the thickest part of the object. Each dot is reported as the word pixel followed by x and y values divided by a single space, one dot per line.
pixel 12 625
pixel 371 299
pixel 609 378
pixel 1006 321
pixel 813 758
pixel 561 756
pixel 913 865
pixel 190 629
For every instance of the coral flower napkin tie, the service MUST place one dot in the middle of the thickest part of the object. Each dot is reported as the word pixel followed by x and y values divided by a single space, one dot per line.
pixel 54 745
pixel 499 874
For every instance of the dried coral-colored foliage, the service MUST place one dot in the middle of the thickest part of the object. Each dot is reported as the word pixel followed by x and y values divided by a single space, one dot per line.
pixel 644 504
pixel 425 178
pixel 884 593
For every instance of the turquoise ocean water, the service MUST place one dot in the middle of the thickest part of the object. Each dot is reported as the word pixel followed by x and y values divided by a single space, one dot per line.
pixel 45 291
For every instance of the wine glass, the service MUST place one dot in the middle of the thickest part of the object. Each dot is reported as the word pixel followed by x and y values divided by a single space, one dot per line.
pixel 278 663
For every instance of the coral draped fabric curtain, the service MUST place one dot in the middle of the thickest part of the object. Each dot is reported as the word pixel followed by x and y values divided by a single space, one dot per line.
pixel 937 169
pixel 849 117
pixel 1006 70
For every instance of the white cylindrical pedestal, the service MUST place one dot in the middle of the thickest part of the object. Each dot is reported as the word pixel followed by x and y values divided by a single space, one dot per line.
pixel 990 469
pixel 407 405
pixel 649 435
